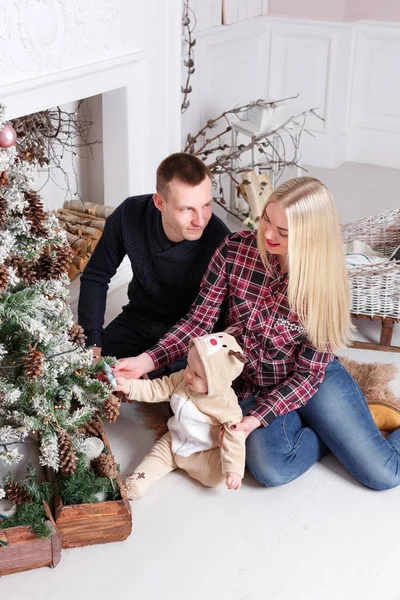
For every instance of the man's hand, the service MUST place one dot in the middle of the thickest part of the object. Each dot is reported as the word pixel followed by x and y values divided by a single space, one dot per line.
pixel 133 367
pixel 247 424
pixel 233 481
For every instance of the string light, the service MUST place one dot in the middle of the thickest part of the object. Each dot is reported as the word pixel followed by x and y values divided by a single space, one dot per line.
pixel 14 366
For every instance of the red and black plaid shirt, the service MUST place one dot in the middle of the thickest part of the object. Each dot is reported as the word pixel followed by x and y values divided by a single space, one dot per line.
pixel 283 370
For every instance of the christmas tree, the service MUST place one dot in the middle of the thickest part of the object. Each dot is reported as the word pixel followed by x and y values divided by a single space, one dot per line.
pixel 48 386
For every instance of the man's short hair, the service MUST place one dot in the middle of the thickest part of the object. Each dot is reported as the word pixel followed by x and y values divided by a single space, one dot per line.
pixel 183 166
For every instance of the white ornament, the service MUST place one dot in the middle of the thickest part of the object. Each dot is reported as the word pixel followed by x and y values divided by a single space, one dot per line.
pixel 7 508
pixel 101 496
pixel 94 447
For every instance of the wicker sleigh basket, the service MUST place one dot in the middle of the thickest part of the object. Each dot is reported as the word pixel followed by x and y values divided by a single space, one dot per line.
pixel 375 288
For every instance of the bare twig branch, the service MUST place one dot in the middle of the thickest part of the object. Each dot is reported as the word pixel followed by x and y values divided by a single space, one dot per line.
pixel 272 146
pixel 188 61
pixel 47 135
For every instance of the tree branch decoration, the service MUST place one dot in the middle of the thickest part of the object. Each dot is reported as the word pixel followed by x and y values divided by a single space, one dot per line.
pixel 221 157
pixel 189 43
pixel 47 136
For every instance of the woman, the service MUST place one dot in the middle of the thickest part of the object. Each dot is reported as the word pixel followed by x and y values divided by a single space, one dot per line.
pixel 287 297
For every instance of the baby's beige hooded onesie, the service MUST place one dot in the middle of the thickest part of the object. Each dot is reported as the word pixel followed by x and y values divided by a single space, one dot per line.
pixel 199 440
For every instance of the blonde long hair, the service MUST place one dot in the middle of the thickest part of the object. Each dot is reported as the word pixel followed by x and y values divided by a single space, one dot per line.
pixel 318 290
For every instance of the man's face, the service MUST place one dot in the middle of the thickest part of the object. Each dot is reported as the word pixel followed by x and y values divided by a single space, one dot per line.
pixel 185 209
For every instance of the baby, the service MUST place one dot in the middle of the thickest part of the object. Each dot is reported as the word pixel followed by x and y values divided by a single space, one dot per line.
pixel 200 440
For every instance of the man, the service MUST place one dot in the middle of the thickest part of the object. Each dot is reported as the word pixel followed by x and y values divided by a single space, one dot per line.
pixel 169 237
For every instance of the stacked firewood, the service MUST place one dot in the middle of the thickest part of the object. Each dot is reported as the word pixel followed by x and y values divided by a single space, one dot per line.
pixel 84 224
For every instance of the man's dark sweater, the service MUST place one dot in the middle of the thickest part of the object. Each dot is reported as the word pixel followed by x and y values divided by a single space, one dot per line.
pixel 166 277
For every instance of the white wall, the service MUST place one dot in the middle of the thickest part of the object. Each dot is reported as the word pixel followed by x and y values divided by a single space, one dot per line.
pixel 348 70
pixel 54 53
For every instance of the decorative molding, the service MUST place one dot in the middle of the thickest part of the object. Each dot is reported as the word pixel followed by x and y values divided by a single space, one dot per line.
pixel 61 51
pixel 235 11
pixel 314 62
pixel 231 68
pixel 41 36
pixel 375 88
pixel 290 51
pixel 126 119
pixel 374 108
pixel 208 14
pixel 26 96
pixel 250 9
pixel 373 147
pixel 347 69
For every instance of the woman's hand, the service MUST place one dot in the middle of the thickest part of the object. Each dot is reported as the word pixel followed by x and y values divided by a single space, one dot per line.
pixel 133 367
pixel 247 424
pixel 233 481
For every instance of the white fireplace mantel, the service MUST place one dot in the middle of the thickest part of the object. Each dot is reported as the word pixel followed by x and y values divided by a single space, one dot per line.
pixel 53 53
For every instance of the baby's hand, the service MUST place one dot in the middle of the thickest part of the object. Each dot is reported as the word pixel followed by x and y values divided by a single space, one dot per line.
pixel 122 385
pixel 233 481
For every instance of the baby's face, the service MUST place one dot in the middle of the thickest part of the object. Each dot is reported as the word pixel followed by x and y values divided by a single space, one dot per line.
pixel 195 374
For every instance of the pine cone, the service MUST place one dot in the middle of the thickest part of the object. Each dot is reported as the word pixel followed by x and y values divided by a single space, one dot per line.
pixel 35 214
pixel 19 126
pixel 31 153
pixel 92 427
pixel 3 212
pixel 33 198
pixel 105 466
pixel 26 154
pixel 4 278
pixel 17 493
pixel 111 408
pixel 76 335
pixel 33 363
pixel 4 179
pixel 24 270
pixel 66 453
pixel 64 254
pixel 45 266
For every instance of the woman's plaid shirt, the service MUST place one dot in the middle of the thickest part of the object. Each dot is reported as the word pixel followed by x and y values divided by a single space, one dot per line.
pixel 283 370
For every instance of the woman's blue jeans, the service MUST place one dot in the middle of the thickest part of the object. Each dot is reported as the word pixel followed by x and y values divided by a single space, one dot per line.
pixel 336 418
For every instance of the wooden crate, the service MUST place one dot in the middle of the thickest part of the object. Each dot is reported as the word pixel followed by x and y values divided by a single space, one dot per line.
pixel 97 523
pixel 25 551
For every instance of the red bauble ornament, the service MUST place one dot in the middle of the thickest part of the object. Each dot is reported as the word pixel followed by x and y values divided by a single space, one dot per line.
pixel 8 136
